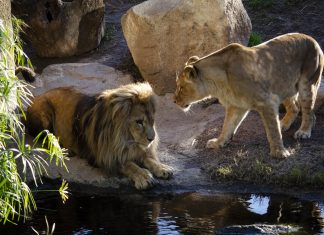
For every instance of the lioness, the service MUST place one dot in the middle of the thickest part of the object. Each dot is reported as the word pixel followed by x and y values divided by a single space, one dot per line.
pixel 113 129
pixel 286 69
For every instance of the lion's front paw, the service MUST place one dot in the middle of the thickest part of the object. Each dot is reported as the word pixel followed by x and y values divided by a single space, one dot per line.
pixel 280 153
pixel 144 180
pixel 164 171
pixel 300 134
pixel 214 144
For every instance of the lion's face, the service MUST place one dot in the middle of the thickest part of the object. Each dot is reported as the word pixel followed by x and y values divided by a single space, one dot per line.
pixel 188 89
pixel 141 125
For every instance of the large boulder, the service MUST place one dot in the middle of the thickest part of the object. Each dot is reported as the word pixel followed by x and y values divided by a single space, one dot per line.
pixel 62 28
pixel 163 34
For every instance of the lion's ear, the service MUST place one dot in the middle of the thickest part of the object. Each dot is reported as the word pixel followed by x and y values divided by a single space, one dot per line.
pixel 191 72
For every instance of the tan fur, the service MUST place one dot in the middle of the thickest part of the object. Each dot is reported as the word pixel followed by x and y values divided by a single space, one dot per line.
pixel 113 129
pixel 286 69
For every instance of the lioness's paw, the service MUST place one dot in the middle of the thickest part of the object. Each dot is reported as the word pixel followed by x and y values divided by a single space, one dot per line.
pixel 164 171
pixel 300 134
pixel 284 126
pixel 144 180
pixel 280 153
pixel 214 144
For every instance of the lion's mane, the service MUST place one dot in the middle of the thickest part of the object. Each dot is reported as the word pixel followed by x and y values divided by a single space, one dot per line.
pixel 100 126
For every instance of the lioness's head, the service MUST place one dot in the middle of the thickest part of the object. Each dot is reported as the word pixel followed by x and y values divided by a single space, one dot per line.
pixel 189 87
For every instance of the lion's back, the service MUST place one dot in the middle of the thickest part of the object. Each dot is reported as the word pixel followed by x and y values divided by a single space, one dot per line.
pixel 54 111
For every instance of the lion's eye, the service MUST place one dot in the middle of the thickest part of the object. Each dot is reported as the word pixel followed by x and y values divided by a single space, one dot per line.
pixel 139 122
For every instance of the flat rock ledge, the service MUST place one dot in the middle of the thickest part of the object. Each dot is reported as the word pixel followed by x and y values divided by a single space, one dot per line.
pixel 177 130
pixel 257 229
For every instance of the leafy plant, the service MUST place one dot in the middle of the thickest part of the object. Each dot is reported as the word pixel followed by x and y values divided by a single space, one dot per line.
pixel 254 40
pixel 110 32
pixel 49 231
pixel 224 171
pixel 16 198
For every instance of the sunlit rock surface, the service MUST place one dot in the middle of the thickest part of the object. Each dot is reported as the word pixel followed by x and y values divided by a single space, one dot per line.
pixel 163 34
pixel 90 78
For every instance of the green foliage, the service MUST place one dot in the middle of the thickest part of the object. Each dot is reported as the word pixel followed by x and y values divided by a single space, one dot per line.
pixel 16 198
pixel 49 231
pixel 224 171
pixel 318 179
pixel 259 171
pixel 254 40
pixel 110 31
pixel 296 175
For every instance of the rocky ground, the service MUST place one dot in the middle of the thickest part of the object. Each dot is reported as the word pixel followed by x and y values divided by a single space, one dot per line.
pixel 183 136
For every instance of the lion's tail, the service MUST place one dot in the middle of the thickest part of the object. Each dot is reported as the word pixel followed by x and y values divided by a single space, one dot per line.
pixel 27 73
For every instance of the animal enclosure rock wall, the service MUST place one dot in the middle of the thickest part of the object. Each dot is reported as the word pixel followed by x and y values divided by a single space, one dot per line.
pixel 62 28
pixel 163 34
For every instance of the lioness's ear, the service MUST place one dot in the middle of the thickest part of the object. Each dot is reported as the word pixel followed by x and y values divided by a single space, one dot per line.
pixel 191 72
pixel 192 59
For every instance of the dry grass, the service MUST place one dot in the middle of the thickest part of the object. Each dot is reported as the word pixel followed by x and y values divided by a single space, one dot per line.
pixel 247 158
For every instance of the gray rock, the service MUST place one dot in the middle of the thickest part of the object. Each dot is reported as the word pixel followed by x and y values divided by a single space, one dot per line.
pixel 257 229
pixel 90 78
pixel 62 28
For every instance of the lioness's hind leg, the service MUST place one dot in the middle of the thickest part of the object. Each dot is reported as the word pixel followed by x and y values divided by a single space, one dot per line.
pixel 233 118
pixel 142 177
pixel 270 118
pixel 159 169
pixel 307 97
pixel 292 110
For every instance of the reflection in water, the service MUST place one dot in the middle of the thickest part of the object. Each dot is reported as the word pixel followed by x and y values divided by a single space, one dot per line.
pixel 258 204
pixel 320 216
pixel 188 213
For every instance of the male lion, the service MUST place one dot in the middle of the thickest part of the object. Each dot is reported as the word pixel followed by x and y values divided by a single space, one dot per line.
pixel 113 129
pixel 286 69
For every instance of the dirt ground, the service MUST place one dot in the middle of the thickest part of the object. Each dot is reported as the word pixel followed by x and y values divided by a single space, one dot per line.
pixel 246 157
pixel 271 18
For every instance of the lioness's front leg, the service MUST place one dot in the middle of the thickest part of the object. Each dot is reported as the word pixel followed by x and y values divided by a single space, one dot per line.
pixel 270 118
pixel 159 169
pixel 233 118
pixel 142 177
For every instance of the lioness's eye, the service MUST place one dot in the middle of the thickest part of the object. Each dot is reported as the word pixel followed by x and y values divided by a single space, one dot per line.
pixel 139 122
